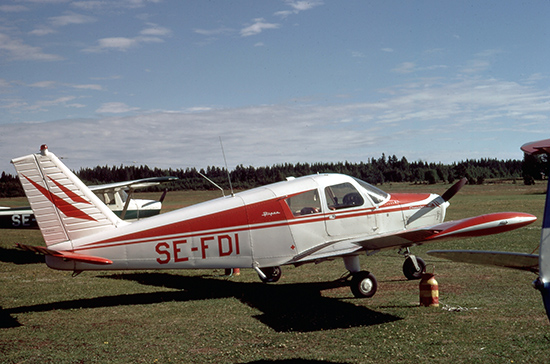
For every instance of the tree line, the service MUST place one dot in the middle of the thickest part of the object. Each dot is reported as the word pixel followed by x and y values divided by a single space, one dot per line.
pixel 374 170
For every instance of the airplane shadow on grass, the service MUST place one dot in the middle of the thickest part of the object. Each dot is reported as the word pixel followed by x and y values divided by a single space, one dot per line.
pixel 285 307
pixel 17 256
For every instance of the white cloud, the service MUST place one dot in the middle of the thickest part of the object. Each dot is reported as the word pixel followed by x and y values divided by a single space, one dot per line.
pixel 43 84
pixel 155 30
pixel 115 108
pixel 42 30
pixel 303 4
pixel 4 83
pixel 111 4
pixel 70 18
pixel 45 104
pixel 415 120
pixel 94 87
pixel 298 6
pixel 410 67
pixel 16 49
pixel 213 32
pixel 114 43
pixel 89 4
pixel 13 8
pixel 151 34
pixel 259 26
pixel 405 67
pixel 52 84
pixel 120 43
pixel 476 66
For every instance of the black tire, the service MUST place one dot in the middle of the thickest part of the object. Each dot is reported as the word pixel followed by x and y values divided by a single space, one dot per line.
pixel 410 271
pixel 363 284
pixel 272 274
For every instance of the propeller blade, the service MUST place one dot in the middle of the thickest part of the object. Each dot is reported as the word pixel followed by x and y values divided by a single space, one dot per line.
pixel 438 201
pixel 454 189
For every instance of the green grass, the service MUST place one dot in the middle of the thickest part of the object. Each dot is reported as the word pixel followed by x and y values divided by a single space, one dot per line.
pixel 202 317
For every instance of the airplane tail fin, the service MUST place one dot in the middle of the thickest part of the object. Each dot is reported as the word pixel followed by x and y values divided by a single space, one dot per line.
pixel 63 205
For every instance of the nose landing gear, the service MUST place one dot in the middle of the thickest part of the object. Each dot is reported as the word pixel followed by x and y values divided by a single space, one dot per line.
pixel 413 265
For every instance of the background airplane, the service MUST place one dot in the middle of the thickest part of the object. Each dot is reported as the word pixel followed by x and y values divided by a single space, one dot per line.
pixel 301 220
pixel 114 195
pixel 539 264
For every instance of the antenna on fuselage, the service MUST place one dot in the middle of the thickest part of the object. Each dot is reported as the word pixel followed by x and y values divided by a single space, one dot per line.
pixel 227 169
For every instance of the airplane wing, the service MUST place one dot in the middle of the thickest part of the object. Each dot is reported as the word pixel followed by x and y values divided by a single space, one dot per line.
pixel 65 254
pixel 521 261
pixel 134 184
pixel 474 226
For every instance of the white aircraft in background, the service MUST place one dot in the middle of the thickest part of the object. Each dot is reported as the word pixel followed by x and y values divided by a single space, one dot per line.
pixel 531 262
pixel 301 220
pixel 114 195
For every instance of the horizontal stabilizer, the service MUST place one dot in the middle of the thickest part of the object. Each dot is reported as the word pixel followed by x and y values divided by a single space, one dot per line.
pixel 65 254
pixel 521 261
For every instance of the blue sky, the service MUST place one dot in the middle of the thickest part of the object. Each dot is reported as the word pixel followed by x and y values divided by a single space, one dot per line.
pixel 158 82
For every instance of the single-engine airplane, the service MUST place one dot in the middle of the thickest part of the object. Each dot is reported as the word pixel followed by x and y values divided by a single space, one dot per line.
pixel 301 220
pixel 539 264
pixel 114 195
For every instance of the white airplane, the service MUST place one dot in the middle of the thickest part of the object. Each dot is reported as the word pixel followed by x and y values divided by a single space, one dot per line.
pixel 301 220
pixel 531 262
pixel 114 195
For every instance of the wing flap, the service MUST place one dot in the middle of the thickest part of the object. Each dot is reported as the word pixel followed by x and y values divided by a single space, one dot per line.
pixel 65 254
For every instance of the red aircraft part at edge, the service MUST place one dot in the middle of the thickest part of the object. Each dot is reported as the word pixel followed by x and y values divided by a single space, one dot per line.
pixel 456 226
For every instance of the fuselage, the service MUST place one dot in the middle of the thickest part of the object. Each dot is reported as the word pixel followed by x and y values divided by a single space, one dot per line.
pixel 261 227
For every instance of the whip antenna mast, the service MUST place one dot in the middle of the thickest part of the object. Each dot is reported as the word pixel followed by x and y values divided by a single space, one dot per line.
pixel 227 169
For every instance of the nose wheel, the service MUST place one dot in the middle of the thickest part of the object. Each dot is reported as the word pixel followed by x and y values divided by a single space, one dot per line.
pixel 413 267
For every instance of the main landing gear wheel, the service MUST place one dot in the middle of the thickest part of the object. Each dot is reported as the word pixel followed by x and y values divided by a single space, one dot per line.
pixel 411 270
pixel 363 284
pixel 272 274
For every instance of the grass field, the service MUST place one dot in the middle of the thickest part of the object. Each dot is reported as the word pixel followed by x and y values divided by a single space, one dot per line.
pixel 486 315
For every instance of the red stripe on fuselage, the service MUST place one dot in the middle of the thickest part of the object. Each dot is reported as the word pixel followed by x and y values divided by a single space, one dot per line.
pixel 406 198
pixel 266 214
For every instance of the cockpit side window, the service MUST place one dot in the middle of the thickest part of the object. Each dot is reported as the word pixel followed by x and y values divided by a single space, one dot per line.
pixel 108 198
pixel 305 203
pixel 342 196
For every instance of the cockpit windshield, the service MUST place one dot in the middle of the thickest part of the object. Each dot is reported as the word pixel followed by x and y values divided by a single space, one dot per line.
pixel 376 194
